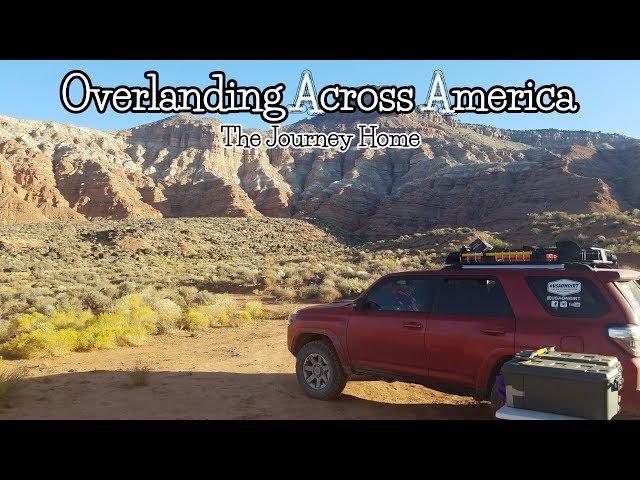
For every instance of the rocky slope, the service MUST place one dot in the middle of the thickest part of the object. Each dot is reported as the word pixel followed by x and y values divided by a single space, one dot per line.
pixel 462 175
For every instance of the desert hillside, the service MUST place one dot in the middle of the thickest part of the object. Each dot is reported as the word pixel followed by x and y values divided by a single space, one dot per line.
pixel 74 266
pixel 462 175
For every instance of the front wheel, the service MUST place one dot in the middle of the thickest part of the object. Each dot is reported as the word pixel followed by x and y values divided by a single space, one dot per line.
pixel 319 371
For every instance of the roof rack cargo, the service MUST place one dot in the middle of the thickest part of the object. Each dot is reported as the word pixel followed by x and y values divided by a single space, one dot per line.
pixel 565 253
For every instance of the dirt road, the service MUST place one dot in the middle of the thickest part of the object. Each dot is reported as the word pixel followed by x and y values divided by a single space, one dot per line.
pixel 227 373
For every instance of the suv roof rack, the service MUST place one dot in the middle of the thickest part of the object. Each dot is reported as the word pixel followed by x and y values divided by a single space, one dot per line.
pixel 565 255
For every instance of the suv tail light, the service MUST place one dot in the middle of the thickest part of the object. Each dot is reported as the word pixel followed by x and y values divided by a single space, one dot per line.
pixel 628 337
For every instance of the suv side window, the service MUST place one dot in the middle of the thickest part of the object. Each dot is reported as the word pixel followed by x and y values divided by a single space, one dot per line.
pixel 473 296
pixel 401 294
pixel 568 297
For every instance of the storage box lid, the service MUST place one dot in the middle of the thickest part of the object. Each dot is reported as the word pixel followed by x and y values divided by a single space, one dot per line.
pixel 570 370
pixel 584 358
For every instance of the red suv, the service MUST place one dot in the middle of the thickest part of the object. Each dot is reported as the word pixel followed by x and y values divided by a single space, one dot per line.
pixel 453 329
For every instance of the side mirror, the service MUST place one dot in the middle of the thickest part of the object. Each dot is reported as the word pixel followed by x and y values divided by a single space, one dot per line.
pixel 360 304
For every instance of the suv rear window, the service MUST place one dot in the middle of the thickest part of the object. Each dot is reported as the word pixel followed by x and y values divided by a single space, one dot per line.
pixel 568 297
pixel 631 292
pixel 473 296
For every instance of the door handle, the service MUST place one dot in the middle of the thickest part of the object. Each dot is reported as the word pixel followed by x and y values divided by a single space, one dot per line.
pixel 412 325
pixel 493 332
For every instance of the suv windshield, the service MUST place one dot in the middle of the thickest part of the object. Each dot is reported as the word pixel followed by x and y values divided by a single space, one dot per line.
pixel 631 291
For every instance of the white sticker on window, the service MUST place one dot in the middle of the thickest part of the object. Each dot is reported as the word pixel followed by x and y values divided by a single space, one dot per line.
pixel 564 287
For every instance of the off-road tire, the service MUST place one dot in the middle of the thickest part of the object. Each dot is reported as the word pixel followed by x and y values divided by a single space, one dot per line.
pixel 337 378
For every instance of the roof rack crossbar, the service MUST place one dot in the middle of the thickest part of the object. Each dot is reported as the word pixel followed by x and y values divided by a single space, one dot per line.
pixel 550 266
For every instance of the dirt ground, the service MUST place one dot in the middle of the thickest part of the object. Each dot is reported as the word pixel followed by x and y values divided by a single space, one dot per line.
pixel 226 373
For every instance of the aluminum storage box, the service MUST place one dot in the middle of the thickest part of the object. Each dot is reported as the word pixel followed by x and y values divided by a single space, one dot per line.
pixel 564 383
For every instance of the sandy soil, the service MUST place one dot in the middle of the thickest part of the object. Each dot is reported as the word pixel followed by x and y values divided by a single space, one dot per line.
pixel 227 373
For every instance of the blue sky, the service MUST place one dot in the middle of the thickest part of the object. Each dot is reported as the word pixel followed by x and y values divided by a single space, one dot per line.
pixel 608 91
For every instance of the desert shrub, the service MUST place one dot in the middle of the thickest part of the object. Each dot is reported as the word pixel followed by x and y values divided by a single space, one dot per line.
pixel 129 321
pixel 328 293
pixel 6 293
pixel 44 304
pixel 14 306
pixel 350 286
pixel 187 295
pixel 198 318
pixel 126 288
pixel 284 293
pixel 225 275
pixel 254 308
pixel 27 322
pixel 138 313
pixel 35 334
pixel 498 243
pixel 5 327
pixel 139 376
pixel 294 279
pixel 76 320
pixel 309 292
pixel 151 295
pixel 109 330
pixel 225 300
pixel 95 300
pixel 46 340
pixel 169 314
pixel 146 317
pixel 384 265
pixel 68 302
pixel 204 298
pixel 220 312
pixel 109 290
pixel 240 318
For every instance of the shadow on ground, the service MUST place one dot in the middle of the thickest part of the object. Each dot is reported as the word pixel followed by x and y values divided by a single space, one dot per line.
pixel 215 395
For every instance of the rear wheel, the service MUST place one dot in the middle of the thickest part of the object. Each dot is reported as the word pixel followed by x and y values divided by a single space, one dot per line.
pixel 319 371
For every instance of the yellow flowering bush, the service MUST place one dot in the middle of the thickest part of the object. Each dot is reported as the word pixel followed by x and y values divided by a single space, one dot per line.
pixel 137 312
pixel 110 330
pixel 45 340
pixel 243 316
pixel 71 319
pixel 129 321
pixel 254 308
pixel 197 318
pixel 220 312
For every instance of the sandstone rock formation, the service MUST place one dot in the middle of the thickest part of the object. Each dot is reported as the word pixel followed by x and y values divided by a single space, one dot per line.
pixel 462 175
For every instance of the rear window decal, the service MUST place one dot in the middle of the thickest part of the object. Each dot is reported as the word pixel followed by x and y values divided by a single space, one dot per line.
pixel 568 297
pixel 564 287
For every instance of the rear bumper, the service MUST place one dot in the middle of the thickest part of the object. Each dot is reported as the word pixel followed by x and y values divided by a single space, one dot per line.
pixel 630 394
